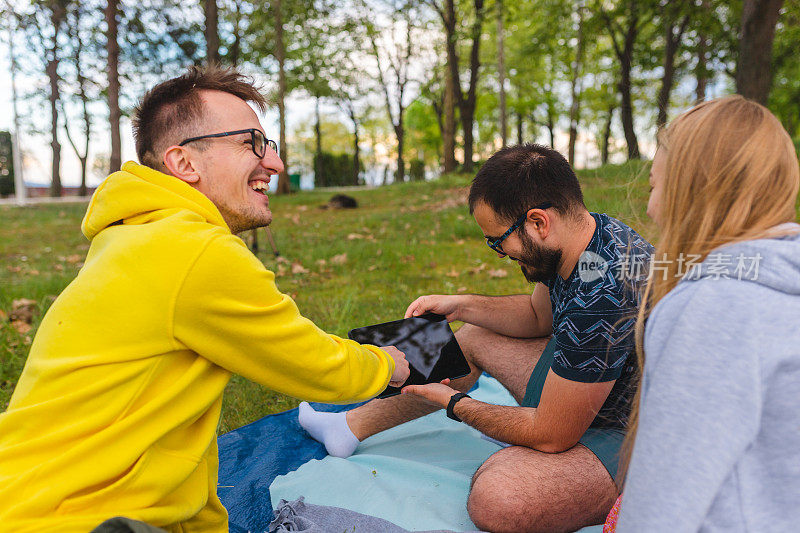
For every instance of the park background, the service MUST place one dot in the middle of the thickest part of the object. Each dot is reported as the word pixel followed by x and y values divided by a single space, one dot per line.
pixel 395 102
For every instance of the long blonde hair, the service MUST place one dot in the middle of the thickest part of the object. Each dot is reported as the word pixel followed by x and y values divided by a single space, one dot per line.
pixel 731 175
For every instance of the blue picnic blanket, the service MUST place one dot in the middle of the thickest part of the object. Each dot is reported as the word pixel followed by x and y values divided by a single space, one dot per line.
pixel 252 456
pixel 416 475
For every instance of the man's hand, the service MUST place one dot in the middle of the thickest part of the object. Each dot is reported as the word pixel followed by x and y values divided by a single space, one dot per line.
pixel 446 305
pixel 437 394
pixel 401 371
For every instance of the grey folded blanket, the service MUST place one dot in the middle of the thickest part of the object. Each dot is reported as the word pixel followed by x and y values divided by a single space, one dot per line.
pixel 298 516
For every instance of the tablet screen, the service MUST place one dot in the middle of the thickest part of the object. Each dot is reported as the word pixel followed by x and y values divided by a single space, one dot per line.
pixel 428 342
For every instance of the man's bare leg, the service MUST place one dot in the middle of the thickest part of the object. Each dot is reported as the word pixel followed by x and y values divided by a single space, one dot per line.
pixel 509 360
pixel 523 490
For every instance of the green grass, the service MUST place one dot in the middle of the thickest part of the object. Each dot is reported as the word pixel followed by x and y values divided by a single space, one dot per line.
pixel 403 241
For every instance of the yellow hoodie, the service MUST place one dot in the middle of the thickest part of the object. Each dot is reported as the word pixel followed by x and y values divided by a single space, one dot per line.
pixel 116 411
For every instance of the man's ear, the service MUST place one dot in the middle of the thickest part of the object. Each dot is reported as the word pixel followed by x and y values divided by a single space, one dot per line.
pixel 177 161
pixel 540 221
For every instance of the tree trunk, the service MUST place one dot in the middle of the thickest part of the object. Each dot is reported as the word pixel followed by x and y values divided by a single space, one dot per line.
pixel 20 191
pixel 452 88
pixel 280 55
pixel 211 32
pixel 700 70
pixel 356 150
pixel 83 190
pixel 520 128
pixel 467 105
pixel 56 18
pixel 449 123
pixel 627 111
pixel 672 43
pixel 607 136
pixel 319 176
pixel 236 45
pixel 754 72
pixel 55 184
pixel 87 131
pixel 551 125
pixel 625 56
pixel 400 173
pixel 574 109
pixel 112 50
pixel 501 74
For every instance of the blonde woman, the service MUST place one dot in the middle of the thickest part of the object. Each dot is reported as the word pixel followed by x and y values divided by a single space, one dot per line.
pixel 718 441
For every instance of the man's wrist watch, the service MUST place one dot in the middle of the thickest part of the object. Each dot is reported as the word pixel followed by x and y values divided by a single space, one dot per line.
pixel 451 405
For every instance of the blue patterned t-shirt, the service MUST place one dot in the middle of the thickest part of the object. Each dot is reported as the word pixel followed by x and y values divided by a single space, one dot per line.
pixel 594 314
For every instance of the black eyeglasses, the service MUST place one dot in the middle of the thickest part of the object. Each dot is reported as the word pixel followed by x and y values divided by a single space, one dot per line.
pixel 497 244
pixel 258 141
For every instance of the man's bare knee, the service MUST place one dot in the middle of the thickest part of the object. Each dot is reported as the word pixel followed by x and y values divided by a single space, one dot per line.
pixel 467 336
pixel 519 489
pixel 494 504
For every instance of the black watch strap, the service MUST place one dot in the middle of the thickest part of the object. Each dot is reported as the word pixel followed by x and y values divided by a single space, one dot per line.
pixel 451 405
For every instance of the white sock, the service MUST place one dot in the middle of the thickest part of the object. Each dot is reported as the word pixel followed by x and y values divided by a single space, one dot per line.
pixel 330 429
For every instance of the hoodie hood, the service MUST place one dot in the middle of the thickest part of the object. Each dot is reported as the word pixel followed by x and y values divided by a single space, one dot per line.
pixel 771 262
pixel 138 194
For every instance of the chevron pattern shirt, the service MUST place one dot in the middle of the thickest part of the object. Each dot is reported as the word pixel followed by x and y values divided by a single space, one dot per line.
pixel 594 314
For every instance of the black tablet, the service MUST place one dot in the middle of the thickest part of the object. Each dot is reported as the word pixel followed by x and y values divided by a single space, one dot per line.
pixel 431 348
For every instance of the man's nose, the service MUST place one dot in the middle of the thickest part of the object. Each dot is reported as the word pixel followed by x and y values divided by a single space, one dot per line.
pixel 272 161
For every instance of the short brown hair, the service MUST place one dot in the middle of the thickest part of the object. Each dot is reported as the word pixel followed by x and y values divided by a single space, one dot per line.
pixel 519 177
pixel 173 109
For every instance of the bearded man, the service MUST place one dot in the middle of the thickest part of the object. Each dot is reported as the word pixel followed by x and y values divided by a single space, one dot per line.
pixel 564 352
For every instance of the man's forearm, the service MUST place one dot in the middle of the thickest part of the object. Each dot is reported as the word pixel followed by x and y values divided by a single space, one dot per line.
pixel 511 424
pixel 512 316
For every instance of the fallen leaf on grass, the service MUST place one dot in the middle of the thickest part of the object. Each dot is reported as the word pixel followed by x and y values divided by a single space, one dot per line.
pixel 74 258
pixel 372 267
pixel 33 272
pixel 282 260
pixel 321 262
pixel 22 310
pixel 354 236
pixel 478 269
pixel 339 259
pixel 297 268
pixel 453 273
pixel 58 267
pixel 461 289
pixel 498 273
pixel 13 268
pixel 407 259
pixel 21 327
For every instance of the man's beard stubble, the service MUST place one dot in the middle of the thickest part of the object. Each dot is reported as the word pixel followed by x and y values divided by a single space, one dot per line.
pixel 537 262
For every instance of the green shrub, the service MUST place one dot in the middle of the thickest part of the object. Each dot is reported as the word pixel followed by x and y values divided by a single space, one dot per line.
pixel 333 170
pixel 417 170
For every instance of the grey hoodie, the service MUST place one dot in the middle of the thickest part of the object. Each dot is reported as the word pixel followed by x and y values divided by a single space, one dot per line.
pixel 718 445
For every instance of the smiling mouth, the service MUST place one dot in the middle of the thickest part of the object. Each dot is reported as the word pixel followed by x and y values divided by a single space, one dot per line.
pixel 260 186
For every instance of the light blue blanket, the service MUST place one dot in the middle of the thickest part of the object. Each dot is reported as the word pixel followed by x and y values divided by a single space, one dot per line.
pixel 416 475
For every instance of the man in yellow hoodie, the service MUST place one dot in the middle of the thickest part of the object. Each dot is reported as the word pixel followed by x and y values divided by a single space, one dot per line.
pixel 116 411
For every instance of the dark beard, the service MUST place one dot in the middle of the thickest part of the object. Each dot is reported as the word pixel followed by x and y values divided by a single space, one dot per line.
pixel 537 262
